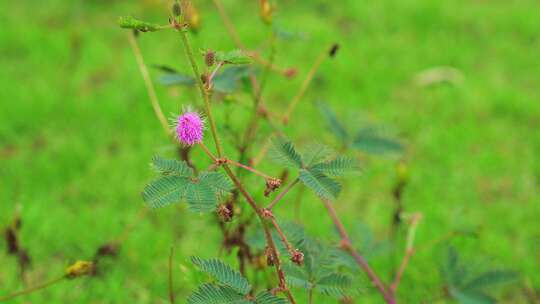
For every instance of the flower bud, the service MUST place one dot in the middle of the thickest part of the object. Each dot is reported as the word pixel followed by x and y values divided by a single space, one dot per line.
pixel 271 185
pixel 176 9
pixel 79 269
pixel 210 58
pixel 225 212
pixel 266 11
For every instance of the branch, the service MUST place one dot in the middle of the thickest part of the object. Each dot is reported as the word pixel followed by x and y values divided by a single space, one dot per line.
pixel 360 260
pixel 148 82
pixel 171 291
pixel 416 217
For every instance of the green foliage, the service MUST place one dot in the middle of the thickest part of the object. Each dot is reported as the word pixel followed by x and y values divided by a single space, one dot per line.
pixel 371 140
pixel 315 169
pixel 233 57
pixel 283 152
pixel 333 122
pixel 215 294
pixel 177 183
pixel 265 297
pixel 338 167
pixel 469 288
pixel 318 273
pixel 129 22
pixel 321 184
pixel 223 274
pixel 226 81
pixel 233 288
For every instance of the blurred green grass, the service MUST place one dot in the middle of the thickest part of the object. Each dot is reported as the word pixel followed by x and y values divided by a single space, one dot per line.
pixel 77 132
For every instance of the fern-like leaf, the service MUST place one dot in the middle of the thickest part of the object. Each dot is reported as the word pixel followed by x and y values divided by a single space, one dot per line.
pixel 490 278
pixel 171 166
pixel 338 167
pixel 334 285
pixel 315 153
pixel 283 152
pixel 267 298
pixel 223 273
pixel 323 185
pixel 165 190
pixel 372 141
pixel 214 294
pixel 201 198
pixel 333 122
pixel 217 181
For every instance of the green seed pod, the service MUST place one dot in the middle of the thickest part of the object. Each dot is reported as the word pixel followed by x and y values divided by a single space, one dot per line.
pixel 176 9
pixel 129 22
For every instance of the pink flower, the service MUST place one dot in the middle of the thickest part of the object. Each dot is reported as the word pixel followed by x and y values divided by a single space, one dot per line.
pixel 189 128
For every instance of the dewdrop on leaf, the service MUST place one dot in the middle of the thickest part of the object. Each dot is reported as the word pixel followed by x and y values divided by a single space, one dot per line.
pixel 189 128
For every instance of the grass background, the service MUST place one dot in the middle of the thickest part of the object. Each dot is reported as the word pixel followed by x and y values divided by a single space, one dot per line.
pixel 77 133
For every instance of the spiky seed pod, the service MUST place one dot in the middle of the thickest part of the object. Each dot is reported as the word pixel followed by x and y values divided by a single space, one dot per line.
pixel 271 185
pixel 297 257
pixel 225 213
pixel 210 58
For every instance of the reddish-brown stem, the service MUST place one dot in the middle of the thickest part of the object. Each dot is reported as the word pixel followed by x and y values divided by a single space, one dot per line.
pixel 360 260
pixel 207 151
pixel 286 242
pixel 282 194
pixel 269 240
pixel 235 163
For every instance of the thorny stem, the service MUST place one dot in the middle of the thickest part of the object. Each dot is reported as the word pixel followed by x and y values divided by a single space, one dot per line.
pixel 282 194
pixel 409 251
pixel 360 260
pixel 204 92
pixel 32 289
pixel 282 235
pixel 171 291
pixel 251 201
pixel 148 82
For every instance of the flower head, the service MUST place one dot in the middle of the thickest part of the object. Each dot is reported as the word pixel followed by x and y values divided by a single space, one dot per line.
pixel 189 128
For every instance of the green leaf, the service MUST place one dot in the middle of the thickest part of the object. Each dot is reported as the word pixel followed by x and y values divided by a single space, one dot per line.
pixel 490 278
pixel 171 79
pixel 201 197
pixel 334 285
pixel 372 141
pixel 214 294
pixel 216 181
pixel 233 57
pixel 315 153
pixel 171 167
pixel 338 167
pixel 223 273
pixel 323 185
pixel 296 277
pixel 267 298
pixel 136 24
pixel 333 122
pixel 227 81
pixel 165 190
pixel 465 297
pixel 283 152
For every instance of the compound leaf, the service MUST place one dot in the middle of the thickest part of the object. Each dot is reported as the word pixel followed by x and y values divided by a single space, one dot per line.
pixel 223 273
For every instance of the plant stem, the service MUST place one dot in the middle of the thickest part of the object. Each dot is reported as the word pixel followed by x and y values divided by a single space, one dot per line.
pixel 310 296
pixel 204 92
pixel 408 253
pixel 32 289
pixel 305 84
pixel 205 149
pixel 360 260
pixel 235 163
pixel 282 194
pixel 268 235
pixel 148 82
pixel 171 290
